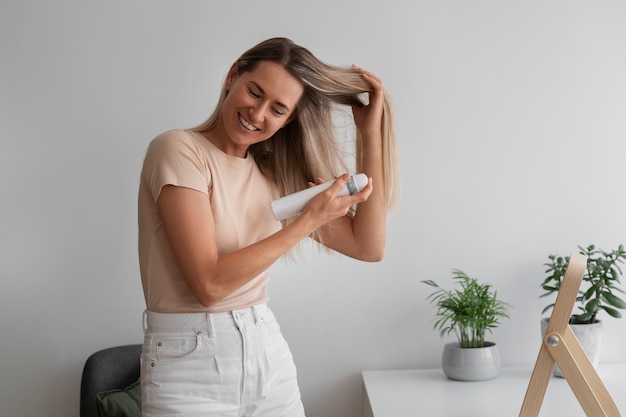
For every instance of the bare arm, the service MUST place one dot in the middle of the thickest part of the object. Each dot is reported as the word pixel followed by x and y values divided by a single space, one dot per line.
pixel 190 228
pixel 364 236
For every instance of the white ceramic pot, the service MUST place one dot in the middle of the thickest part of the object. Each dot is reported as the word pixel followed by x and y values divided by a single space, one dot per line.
pixel 471 364
pixel 589 336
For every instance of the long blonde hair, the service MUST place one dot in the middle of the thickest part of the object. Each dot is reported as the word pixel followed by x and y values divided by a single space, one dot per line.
pixel 306 148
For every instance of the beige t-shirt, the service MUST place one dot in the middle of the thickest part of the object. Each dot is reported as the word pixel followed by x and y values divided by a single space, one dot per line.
pixel 240 201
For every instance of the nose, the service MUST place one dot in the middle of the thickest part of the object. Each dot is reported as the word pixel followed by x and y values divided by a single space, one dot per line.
pixel 257 112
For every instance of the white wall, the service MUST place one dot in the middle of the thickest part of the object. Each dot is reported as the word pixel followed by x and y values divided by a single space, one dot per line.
pixel 512 125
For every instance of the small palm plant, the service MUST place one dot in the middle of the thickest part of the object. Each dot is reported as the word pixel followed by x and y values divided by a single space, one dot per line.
pixel 469 311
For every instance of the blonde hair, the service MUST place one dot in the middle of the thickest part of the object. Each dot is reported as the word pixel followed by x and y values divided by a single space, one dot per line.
pixel 306 148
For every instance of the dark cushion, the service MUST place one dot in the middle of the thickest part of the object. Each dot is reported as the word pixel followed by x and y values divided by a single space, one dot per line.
pixel 120 403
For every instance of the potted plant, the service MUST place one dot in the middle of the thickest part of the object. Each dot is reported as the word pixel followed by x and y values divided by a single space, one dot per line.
pixel 598 293
pixel 468 311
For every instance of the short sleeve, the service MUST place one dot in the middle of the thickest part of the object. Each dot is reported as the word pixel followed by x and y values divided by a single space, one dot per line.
pixel 174 158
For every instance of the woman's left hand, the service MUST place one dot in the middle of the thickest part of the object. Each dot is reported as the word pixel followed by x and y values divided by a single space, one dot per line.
pixel 368 118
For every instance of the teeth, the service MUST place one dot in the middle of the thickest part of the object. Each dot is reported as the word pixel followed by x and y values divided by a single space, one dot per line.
pixel 245 123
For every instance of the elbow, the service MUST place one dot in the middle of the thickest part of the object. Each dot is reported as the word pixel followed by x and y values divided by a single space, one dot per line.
pixel 373 253
pixel 371 247
pixel 375 256
pixel 208 302
pixel 209 283
pixel 209 295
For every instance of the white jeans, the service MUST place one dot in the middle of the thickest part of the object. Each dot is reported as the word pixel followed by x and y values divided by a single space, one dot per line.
pixel 232 364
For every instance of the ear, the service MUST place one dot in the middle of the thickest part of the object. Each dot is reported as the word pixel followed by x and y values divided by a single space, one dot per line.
pixel 233 73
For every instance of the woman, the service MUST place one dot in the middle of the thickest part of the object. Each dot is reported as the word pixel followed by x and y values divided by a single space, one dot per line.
pixel 207 234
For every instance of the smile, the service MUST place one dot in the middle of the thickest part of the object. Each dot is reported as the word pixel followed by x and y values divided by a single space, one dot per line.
pixel 247 124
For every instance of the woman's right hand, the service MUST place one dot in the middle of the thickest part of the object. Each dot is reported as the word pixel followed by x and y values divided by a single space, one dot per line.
pixel 328 206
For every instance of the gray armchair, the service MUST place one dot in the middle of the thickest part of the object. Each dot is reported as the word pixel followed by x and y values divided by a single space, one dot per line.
pixel 108 369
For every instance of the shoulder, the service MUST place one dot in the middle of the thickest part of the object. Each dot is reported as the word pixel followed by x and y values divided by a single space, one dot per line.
pixel 177 146
pixel 177 149
pixel 175 158
pixel 172 140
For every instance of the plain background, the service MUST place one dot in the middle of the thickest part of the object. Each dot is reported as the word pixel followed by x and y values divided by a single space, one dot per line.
pixel 512 128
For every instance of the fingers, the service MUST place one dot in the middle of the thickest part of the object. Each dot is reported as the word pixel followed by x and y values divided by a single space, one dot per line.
pixel 376 95
pixel 368 118
pixel 375 81
pixel 358 197
pixel 328 205
pixel 317 182
pixel 367 74
pixel 339 183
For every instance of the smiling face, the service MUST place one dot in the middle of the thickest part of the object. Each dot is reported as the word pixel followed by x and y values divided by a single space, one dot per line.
pixel 258 103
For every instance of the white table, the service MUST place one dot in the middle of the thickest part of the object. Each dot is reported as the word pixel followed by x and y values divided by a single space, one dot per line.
pixel 428 393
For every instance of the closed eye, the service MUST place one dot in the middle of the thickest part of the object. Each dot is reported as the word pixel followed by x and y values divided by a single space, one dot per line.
pixel 277 112
pixel 279 108
pixel 254 93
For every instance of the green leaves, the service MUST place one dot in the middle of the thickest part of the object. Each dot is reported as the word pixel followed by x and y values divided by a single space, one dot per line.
pixel 468 311
pixel 599 283
pixel 613 300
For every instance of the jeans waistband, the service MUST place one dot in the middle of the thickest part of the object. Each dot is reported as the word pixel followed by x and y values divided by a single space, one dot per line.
pixel 154 322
